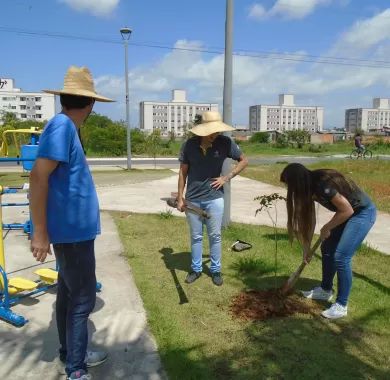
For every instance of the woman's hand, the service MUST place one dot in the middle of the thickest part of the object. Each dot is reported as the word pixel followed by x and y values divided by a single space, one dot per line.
pixel 324 233
pixel 181 205
pixel 218 182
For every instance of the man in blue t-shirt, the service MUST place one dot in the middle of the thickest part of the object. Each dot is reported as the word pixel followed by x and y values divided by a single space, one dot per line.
pixel 201 160
pixel 65 213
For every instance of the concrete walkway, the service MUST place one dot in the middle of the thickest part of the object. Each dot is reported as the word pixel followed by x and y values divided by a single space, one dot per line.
pixel 146 198
pixel 119 321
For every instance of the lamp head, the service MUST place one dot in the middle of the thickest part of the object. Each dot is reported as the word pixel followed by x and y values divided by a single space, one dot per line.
pixel 125 32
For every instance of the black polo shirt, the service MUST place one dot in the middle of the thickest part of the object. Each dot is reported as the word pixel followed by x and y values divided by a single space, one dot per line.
pixel 324 192
pixel 202 168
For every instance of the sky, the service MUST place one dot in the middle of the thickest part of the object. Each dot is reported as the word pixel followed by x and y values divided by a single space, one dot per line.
pixel 330 53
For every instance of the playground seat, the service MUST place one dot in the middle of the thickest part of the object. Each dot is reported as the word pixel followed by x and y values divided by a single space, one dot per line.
pixel 18 284
pixel 47 275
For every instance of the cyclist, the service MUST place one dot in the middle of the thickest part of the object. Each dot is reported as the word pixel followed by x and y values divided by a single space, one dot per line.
pixel 358 143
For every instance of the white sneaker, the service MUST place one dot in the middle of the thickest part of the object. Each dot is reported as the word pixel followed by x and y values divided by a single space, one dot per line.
pixel 318 294
pixel 94 358
pixel 335 311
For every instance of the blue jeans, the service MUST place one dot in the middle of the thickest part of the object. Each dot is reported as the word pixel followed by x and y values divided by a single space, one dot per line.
pixel 215 209
pixel 339 248
pixel 76 296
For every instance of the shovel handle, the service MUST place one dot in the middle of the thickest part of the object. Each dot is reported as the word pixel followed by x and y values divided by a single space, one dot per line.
pixel 290 283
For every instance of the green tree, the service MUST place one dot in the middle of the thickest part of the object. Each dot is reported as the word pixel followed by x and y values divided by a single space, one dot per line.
pixel 153 144
pixel 281 141
pixel 259 138
pixel 197 119
pixel 298 137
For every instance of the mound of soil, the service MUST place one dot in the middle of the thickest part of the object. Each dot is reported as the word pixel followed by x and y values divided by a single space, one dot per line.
pixel 265 304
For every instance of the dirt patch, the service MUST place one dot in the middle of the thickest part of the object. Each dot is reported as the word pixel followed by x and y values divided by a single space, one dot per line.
pixel 266 304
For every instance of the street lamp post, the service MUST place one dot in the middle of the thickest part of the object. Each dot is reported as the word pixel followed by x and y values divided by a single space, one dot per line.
pixel 227 102
pixel 125 33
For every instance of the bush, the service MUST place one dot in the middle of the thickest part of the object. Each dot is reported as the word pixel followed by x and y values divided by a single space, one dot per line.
pixel 317 148
pixel 281 141
pixel 259 138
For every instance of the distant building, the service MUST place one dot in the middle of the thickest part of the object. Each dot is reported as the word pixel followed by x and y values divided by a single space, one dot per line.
pixel 285 116
pixel 25 105
pixel 173 116
pixel 375 119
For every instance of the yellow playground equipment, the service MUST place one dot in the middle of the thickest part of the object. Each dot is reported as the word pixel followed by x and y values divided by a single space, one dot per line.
pixel 23 150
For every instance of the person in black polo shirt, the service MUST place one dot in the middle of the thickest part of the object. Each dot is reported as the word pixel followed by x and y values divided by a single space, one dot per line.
pixel 354 216
pixel 201 160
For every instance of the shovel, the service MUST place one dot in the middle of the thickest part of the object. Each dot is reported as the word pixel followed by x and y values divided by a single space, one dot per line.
pixel 292 280
pixel 172 202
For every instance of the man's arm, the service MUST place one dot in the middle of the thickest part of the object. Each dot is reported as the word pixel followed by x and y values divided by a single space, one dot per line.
pixel 183 172
pixel 39 186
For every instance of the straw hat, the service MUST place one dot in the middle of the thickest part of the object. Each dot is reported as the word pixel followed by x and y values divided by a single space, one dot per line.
pixel 78 81
pixel 211 123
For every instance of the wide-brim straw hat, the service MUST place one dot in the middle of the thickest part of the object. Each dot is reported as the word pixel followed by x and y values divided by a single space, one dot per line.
pixel 211 123
pixel 78 81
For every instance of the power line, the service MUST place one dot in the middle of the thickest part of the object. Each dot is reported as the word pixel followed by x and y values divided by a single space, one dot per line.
pixel 343 61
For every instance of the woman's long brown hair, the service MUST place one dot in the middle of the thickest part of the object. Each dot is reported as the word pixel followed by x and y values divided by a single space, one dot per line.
pixel 301 183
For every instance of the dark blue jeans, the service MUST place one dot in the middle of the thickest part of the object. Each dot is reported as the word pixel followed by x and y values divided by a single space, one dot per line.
pixel 76 296
pixel 339 248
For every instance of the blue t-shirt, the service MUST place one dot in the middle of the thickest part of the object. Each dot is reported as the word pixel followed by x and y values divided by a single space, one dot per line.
pixel 72 203
pixel 202 168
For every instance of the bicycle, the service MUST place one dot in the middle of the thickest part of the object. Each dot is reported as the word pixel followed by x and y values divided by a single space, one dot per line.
pixel 361 153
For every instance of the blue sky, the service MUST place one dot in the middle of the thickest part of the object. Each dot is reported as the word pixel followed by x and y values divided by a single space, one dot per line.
pixel 272 36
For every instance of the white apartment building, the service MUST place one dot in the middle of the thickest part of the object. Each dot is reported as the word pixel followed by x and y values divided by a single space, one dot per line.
pixel 173 116
pixel 285 116
pixel 369 119
pixel 25 105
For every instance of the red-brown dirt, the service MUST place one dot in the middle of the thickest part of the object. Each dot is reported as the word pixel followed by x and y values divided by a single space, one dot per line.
pixel 265 304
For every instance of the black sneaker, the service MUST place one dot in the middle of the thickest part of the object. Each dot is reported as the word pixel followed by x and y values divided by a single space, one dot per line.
pixel 192 276
pixel 217 278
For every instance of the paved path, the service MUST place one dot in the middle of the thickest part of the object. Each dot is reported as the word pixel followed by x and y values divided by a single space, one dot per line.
pixel 118 323
pixel 146 197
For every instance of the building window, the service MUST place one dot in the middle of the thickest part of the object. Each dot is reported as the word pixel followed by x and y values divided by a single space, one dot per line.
pixel 23 116
pixel 38 98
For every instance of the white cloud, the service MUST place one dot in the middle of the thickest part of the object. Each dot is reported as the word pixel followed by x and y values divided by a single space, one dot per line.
pixel 95 7
pixel 257 12
pixel 260 80
pixel 365 34
pixel 289 9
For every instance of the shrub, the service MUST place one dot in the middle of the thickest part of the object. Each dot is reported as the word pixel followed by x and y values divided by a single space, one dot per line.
pixel 259 138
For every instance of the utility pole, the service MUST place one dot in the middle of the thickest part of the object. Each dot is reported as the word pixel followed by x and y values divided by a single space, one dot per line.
pixel 227 101
pixel 126 32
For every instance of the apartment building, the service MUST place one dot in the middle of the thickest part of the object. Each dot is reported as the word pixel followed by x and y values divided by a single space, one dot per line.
pixel 373 119
pixel 25 105
pixel 173 116
pixel 285 116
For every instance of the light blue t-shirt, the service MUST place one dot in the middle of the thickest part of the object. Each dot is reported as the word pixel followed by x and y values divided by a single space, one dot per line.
pixel 72 203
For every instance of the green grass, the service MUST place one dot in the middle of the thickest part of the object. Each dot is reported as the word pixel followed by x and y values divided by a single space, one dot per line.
pixel 13 179
pixel 197 336
pixel 373 176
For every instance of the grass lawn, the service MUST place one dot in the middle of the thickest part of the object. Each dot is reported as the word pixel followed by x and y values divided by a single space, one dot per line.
pixel 372 175
pixel 199 339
